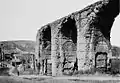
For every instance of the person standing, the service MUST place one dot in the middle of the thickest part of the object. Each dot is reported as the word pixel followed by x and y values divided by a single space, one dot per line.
pixel 18 72
pixel 16 69
pixel 38 67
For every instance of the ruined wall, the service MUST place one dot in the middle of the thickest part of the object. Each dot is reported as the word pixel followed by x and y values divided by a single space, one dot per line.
pixel 88 31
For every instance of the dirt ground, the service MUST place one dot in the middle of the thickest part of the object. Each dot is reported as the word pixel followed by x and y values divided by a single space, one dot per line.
pixel 44 79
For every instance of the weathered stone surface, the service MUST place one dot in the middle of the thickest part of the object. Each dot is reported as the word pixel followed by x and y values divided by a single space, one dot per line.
pixel 88 31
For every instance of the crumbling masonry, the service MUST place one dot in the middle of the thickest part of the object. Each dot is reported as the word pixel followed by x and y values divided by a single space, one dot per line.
pixel 81 38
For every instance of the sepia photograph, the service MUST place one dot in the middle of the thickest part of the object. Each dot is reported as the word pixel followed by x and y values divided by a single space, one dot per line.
pixel 59 41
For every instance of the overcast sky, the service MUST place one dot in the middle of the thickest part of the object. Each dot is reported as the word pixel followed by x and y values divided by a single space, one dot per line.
pixel 20 19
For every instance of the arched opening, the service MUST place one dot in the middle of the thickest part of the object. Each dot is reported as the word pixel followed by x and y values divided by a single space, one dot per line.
pixel 70 59
pixel 69 42
pixel 102 52
pixel 101 62
pixel 69 30
pixel 46 51
pixel 115 40
pixel 46 36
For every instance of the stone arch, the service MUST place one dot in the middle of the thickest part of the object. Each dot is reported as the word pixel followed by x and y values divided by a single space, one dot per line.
pixel 115 31
pixel 101 44
pixel 67 40
pixel 69 30
pixel 69 53
pixel 47 34
pixel 101 41
pixel 67 44
pixel 45 48
pixel 65 30
pixel 102 49
pixel 46 39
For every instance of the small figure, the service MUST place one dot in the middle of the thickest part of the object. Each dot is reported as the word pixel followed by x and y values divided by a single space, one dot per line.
pixel 38 66
pixel 16 69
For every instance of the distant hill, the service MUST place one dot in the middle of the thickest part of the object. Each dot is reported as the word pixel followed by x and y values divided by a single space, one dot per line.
pixel 29 46
pixel 116 51
pixel 18 46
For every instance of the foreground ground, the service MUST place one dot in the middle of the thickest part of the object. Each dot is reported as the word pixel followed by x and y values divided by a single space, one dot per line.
pixel 65 79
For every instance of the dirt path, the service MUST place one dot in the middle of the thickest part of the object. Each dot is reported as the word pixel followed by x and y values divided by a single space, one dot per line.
pixel 90 77
pixel 49 79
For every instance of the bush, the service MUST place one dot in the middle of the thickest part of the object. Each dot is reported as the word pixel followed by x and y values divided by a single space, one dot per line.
pixel 4 72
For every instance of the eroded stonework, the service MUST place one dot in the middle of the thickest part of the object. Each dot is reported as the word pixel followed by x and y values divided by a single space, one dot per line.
pixel 79 41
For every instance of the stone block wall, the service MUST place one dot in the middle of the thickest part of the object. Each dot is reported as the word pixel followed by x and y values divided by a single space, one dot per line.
pixel 82 34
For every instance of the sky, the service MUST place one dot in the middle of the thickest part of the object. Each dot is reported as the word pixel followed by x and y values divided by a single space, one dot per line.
pixel 20 19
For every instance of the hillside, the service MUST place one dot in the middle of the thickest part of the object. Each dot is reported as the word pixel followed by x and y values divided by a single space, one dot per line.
pixel 116 51
pixel 18 46
pixel 29 46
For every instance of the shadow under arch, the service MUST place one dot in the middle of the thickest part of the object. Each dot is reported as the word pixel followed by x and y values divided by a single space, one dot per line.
pixel 68 32
pixel 101 62
pixel 45 49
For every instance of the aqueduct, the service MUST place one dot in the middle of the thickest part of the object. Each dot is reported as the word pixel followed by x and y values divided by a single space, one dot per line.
pixel 81 38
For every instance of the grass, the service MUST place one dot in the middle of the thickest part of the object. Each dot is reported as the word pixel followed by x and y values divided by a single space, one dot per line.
pixel 10 79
